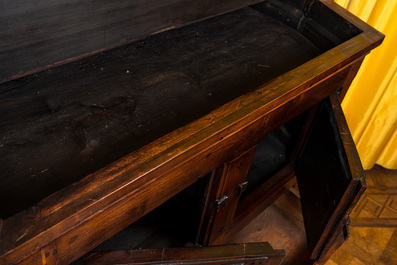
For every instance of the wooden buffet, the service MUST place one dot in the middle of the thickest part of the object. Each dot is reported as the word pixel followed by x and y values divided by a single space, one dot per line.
pixel 110 108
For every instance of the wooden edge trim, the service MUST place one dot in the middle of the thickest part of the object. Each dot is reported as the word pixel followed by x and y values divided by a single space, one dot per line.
pixel 187 137
pixel 233 253
pixel 351 152
pixel 352 74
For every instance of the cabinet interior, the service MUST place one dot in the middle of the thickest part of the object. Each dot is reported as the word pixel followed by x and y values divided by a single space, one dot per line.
pixel 61 124
pixel 176 223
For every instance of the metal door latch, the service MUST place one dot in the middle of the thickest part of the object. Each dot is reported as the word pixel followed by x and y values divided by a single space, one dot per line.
pixel 220 203
pixel 241 188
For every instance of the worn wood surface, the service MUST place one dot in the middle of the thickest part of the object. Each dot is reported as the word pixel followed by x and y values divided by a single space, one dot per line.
pixel 350 77
pixel 330 181
pixel 281 224
pixel 81 117
pixel 38 34
pixel 377 207
pixel 231 176
pixel 251 253
pixel 177 172
pixel 69 223
pixel 314 20
pixel 372 242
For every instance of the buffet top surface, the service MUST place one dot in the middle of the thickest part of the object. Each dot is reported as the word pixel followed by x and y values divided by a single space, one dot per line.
pixel 62 124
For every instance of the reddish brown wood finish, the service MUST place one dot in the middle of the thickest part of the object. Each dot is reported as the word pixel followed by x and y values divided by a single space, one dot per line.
pixel 350 77
pixel 165 163
pixel 230 176
pixel 251 253
pixel 69 223
pixel 338 239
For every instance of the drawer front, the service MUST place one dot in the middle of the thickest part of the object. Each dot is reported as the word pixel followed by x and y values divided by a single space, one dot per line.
pixel 330 177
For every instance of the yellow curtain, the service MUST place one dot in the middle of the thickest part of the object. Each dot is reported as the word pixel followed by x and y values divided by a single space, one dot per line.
pixel 370 105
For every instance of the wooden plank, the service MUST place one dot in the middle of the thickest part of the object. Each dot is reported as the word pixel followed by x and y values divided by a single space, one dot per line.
pixel 232 174
pixel 281 224
pixel 258 253
pixel 83 116
pixel 37 35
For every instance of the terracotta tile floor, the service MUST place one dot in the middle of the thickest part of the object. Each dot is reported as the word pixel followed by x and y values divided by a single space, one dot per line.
pixel 373 232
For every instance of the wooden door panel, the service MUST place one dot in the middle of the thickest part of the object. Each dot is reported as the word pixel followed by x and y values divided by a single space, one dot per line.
pixel 250 253
pixel 330 176
pixel 220 208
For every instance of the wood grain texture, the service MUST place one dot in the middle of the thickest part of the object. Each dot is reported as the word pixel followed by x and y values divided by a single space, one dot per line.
pixel 231 175
pixel 377 207
pixel 371 242
pixel 88 194
pixel 314 20
pixel 350 78
pixel 77 218
pixel 366 246
pixel 92 197
pixel 81 117
pixel 261 198
pixel 281 224
pixel 40 33
pixel 251 253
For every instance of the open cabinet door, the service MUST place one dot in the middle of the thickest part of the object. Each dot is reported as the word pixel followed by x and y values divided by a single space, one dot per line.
pixel 330 179
pixel 250 253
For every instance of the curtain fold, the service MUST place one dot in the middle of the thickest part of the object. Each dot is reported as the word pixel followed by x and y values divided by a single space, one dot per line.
pixel 370 105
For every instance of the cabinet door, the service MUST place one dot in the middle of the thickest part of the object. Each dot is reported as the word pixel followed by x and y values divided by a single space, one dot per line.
pixel 226 185
pixel 330 179
pixel 250 253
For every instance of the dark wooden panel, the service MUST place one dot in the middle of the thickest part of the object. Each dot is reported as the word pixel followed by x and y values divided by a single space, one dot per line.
pixel 250 253
pixel 334 23
pixel 231 176
pixel 67 122
pixel 320 25
pixel 329 176
pixel 114 197
pixel 38 33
